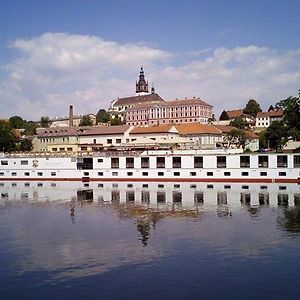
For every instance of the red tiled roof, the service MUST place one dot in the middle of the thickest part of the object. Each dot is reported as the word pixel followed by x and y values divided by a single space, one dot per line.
pixel 192 101
pixel 250 135
pixel 232 114
pixel 133 100
pixel 164 128
pixel 225 128
pixel 105 130
pixel 272 113
pixel 60 131
pixel 197 128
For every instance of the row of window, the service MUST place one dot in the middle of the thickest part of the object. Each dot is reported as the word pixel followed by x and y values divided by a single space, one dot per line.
pixel 263 162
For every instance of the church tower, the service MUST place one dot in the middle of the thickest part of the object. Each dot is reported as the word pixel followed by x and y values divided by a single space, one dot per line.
pixel 142 85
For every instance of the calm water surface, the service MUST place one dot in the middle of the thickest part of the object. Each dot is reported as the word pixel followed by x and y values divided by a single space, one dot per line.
pixel 149 241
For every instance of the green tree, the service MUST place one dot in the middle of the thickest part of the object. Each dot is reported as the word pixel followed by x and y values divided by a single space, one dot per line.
pixel 86 121
pixel 276 135
pixel 116 121
pixel 252 108
pixel 7 138
pixel 16 122
pixel 236 136
pixel 102 116
pixel 224 116
pixel 25 145
pixel 30 128
pixel 239 123
pixel 291 116
pixel 45 122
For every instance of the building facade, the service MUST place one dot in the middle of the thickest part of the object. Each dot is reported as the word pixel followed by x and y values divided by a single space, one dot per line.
pixel 265 119
pixel 186 110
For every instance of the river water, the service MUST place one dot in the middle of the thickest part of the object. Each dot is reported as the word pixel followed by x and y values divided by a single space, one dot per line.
pixel 149 240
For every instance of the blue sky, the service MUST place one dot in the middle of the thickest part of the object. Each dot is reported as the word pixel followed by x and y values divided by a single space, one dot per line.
pixel 86 53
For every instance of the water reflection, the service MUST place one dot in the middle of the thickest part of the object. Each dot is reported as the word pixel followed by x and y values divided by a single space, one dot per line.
pixel 70 230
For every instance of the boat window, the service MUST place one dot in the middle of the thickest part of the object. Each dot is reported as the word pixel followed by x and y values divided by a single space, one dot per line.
pixel 114 162
pixel 282 173
pixel 1 173
pixel 283 199
pixel 210 174
pixel 282 161
pixel 129 162
pixel 263 174
pixel 177 197
pixel 245 161
pixel 100 173
pixel 227 173
pixel 145 173
pixel 24 162
pixel 100 185
pixel 160 162
pixel 192 173
pixel 161 197
pixel 176 162
pixel 40 173
pixel 26 174
pixel 53 173
pixel 130 197
pixel 297 199
pixel 114 173
pixel 115 196
pixel 221 161
pixel 100 160
pixel 4 162
pixel 245 173
pixel 198 197
pixel 263 198
pixel 263 161
pixel 297 161
pixel 145 186
pixel 160 173
pixel 222 198
pixel 245 198
pixel 145 196
pixel 198 162
pixel 176 173
pixel 145 162
pixel 14 174
pixel 129 173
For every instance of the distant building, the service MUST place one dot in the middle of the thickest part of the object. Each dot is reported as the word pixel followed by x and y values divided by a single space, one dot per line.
pixel 265 119
pixel 177 111
pixel 71 119
pixel 145 109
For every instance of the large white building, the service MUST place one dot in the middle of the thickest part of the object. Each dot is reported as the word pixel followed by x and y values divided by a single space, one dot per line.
pixel 264 119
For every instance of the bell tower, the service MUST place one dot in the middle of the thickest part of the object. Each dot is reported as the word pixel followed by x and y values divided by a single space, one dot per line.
pixel 141 85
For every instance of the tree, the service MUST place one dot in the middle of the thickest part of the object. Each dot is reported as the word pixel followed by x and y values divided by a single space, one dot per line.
pixel 45 122
pixel 291 116
pixel 102 116
pixel 25 145
pixel 271 108
pixel 7 138
pixel 252 108
pixel 224 116
pixel 236 136
pixel 86 121
pixel 30 128
pixel 116 121
pixel 239 123
pixel 275 135
pixel 16 122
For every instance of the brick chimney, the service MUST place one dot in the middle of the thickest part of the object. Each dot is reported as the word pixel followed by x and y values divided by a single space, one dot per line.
pixel 71 115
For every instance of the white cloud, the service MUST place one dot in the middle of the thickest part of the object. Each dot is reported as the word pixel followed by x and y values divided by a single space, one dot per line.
pixel 54 70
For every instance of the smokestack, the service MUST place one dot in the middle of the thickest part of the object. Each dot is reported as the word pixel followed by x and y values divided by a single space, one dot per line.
pixel 71 115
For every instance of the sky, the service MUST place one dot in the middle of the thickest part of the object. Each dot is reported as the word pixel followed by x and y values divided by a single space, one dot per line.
pixel 87 53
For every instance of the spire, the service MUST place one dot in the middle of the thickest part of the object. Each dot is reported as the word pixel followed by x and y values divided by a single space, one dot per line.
pixel 142 84
pixel 152 89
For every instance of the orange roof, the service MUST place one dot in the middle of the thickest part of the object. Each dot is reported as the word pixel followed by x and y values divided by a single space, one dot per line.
pixel 225 128
pixel 197 128
pixel 272 113
pixel 250 135
pixel 192 101
pixel 165 128
pixel 232 114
